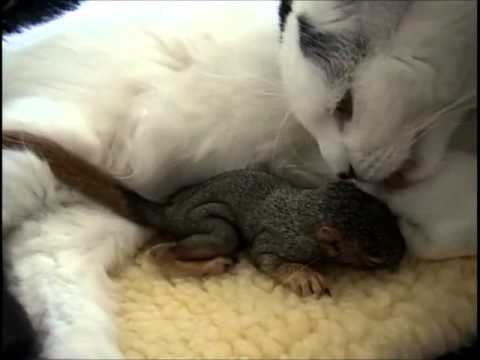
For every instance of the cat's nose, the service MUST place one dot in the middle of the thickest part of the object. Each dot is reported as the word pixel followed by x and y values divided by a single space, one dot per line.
pixel 346 175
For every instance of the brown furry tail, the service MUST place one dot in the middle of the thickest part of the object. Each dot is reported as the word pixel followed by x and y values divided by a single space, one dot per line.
pixel 73 170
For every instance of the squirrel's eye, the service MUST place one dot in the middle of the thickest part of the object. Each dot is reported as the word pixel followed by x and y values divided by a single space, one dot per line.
pixel 344 110
pixel 375 260
pixel 374 255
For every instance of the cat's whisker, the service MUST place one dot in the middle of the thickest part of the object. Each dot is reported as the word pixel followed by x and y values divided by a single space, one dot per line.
pixel 426 130
pixel 382 157
pixel 375 163
pixel 427 125
pixel 372 162
pixel 421 128
pixel 272 94
pixel 126 176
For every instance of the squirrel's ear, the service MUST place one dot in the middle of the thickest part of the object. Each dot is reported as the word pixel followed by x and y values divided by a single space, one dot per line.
pixel 329 238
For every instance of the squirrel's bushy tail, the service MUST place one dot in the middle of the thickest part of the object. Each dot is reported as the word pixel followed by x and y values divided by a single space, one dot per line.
pixel 84 177
pixel 145 212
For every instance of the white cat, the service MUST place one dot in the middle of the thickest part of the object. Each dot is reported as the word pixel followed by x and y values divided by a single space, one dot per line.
pixel 382 85
pixel 159 105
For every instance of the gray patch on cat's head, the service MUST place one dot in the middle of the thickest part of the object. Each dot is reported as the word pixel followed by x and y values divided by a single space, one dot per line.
pixel 336 53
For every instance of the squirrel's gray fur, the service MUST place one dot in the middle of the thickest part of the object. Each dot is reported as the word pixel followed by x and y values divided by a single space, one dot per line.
pixel 268 215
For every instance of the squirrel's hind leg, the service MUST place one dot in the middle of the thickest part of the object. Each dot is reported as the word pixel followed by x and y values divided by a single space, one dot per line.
pixel 211 234
pixel 208 253
pixel 198 268
pixel 197 255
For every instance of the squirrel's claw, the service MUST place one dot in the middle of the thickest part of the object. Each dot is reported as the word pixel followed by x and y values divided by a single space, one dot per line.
pixel 302 280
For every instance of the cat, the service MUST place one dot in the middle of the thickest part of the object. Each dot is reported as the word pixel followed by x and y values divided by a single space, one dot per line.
pixel 19 340
pixel 171 104
pixel 382 85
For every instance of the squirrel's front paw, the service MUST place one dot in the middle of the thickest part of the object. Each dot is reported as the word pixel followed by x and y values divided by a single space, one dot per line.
pixel 301 279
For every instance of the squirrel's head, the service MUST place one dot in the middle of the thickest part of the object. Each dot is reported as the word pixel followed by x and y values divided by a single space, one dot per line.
pixel 356 229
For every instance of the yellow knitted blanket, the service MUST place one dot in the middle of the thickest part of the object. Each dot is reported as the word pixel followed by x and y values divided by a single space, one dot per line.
pixel 420 311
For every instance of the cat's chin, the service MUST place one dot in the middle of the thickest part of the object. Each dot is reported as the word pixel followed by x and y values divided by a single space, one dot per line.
pixel 421 171
pixel 411 172
pixel 397 180
pixel 394 181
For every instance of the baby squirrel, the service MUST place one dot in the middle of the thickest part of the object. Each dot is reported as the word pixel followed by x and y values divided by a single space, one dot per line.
pixel 291 234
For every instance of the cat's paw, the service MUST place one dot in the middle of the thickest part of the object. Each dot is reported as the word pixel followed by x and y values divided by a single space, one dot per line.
pixel 302 280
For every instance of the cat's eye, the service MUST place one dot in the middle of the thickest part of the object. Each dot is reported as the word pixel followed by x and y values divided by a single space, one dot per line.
pixel 344 110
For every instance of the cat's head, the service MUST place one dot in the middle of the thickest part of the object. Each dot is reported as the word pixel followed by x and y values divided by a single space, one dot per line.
pixel 347 83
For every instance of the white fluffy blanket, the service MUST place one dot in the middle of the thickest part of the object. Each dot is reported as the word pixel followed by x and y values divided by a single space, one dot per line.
pixel 420 311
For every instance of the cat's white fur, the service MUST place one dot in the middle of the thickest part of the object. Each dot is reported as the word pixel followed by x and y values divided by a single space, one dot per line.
pixel 158 107
pixel 438 216
pixel 410 89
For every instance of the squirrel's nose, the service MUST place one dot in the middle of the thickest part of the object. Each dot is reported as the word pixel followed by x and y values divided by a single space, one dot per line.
pixel 346 175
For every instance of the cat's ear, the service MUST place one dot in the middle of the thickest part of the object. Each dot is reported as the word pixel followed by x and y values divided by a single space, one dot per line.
pixel 329 239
